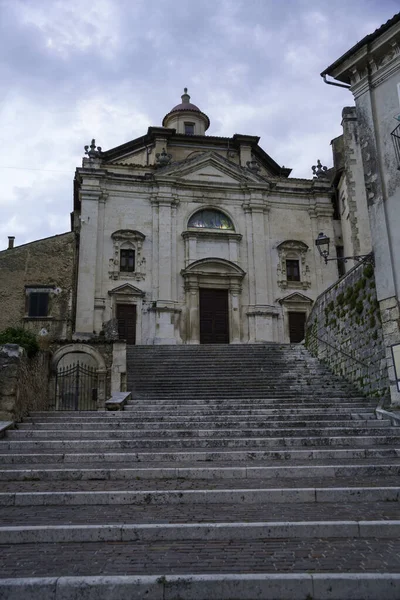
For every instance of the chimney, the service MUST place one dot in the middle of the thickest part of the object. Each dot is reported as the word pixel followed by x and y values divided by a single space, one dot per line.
pixel 11 239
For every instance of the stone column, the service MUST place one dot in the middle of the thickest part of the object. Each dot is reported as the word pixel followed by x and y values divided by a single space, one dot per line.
pixel 193 313
pixel 101 389
pixel 118 369
pixel 259 314
pixel 234 311
pixel 165 308
pixel 100 301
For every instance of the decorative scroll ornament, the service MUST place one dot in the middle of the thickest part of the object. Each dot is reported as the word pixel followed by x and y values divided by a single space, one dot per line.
pixel 163 158
pixel 93 152
pixel 253 165
pixel 319 170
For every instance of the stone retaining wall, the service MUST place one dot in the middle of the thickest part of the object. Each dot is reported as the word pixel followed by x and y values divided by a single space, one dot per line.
pixel 344 330
pixel 23 382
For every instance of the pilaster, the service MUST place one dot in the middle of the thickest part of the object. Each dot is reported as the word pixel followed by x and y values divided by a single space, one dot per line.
pixel 88 246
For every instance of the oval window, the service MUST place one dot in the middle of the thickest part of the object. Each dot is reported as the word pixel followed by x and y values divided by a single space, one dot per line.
pixel 210 219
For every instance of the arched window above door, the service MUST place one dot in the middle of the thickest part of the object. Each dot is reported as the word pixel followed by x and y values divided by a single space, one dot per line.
pixel 209 218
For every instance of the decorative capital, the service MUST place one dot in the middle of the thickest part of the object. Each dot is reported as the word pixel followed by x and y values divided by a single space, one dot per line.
pixel 93 152
pixel 163 158
pixel 319 170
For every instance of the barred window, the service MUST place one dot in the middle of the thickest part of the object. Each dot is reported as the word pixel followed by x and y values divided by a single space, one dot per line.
pixel 127 260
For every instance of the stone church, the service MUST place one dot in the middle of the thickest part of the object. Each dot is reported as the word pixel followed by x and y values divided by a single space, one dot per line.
pixel 189 238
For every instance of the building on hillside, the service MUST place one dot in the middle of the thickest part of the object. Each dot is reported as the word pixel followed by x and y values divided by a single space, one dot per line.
pixel 191 238
pixel 371 71
pixel 37 285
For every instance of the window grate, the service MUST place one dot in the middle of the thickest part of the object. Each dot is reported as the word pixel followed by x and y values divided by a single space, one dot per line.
pixel 396 141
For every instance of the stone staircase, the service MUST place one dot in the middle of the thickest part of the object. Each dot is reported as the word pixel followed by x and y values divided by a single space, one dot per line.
pixel 236 473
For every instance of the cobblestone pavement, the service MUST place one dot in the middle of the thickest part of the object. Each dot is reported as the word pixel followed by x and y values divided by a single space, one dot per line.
pixel 262 556
pixel 142 484
pixel 213 513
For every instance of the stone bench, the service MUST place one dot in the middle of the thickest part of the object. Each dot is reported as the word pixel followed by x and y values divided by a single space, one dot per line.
pixel 118 400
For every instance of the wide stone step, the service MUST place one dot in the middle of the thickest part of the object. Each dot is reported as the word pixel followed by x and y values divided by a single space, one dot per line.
pixel 198 443
pixel 223 532
pixel 212 411
pixel 200 496
pixel 216 456
pixel 198 513
pixel 203 423
pixel 230 585
pixel 160 433
pixel 220 402
pixel 82 473
pixel 122 416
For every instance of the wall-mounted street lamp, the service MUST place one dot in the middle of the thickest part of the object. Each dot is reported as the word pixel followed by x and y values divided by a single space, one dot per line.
pixel 322 242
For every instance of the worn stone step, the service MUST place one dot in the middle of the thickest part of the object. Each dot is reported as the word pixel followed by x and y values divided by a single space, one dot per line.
pixel 169 424
pixel 273 413
pixel 211 586
pixel 186 482
pixel 223 532
pixel 85 473
pixel 193 433
pixel 198 513
pixel 212 410
pixel 201 496
pixel 198 443
pixel 205 456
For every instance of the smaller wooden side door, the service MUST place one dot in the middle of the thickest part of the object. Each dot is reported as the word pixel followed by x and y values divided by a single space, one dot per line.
pixel 126 317
pixel 297 322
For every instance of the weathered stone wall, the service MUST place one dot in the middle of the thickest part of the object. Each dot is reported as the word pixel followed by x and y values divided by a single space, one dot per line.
pixel 344 330
pixel 23 382
pixel 48 262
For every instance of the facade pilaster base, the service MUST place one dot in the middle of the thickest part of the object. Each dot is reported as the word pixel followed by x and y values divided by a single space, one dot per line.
pixel 262 323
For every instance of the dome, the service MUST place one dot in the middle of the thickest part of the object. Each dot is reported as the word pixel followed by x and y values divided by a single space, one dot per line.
pixel 186 106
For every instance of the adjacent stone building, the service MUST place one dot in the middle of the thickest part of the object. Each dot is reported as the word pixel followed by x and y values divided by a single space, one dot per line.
pixel 371 71
pixel 37 286
pixel 191 238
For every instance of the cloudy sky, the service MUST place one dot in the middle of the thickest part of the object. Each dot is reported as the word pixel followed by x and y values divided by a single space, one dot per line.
pixel 72 70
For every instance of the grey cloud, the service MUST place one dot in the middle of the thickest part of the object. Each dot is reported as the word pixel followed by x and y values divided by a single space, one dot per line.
pixel 114 67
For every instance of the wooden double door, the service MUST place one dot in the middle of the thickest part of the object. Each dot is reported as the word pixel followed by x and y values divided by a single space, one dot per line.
pixel 126 317
pixel 214 316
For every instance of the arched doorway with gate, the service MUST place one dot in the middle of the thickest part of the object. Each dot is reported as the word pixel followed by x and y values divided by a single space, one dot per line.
pixel 78 379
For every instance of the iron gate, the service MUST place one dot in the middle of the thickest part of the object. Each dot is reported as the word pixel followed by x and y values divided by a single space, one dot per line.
pixel 76 388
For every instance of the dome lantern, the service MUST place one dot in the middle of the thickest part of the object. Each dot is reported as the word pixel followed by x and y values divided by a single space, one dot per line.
pixel 187 118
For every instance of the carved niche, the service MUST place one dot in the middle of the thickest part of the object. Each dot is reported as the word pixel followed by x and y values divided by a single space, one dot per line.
pixel 127 239
pixel 293 250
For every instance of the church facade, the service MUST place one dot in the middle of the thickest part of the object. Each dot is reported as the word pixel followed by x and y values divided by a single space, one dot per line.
pixel 187 238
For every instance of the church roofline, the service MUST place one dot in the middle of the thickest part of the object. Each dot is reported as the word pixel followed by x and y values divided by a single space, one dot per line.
pixel 234 142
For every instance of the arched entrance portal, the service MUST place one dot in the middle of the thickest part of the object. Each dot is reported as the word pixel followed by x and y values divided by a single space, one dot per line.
pixel 78 378
pixel 213 287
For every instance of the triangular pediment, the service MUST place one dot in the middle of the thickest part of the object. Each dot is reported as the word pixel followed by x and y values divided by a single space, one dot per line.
pixel 209 168
pixel 296 298
pixel 126 289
